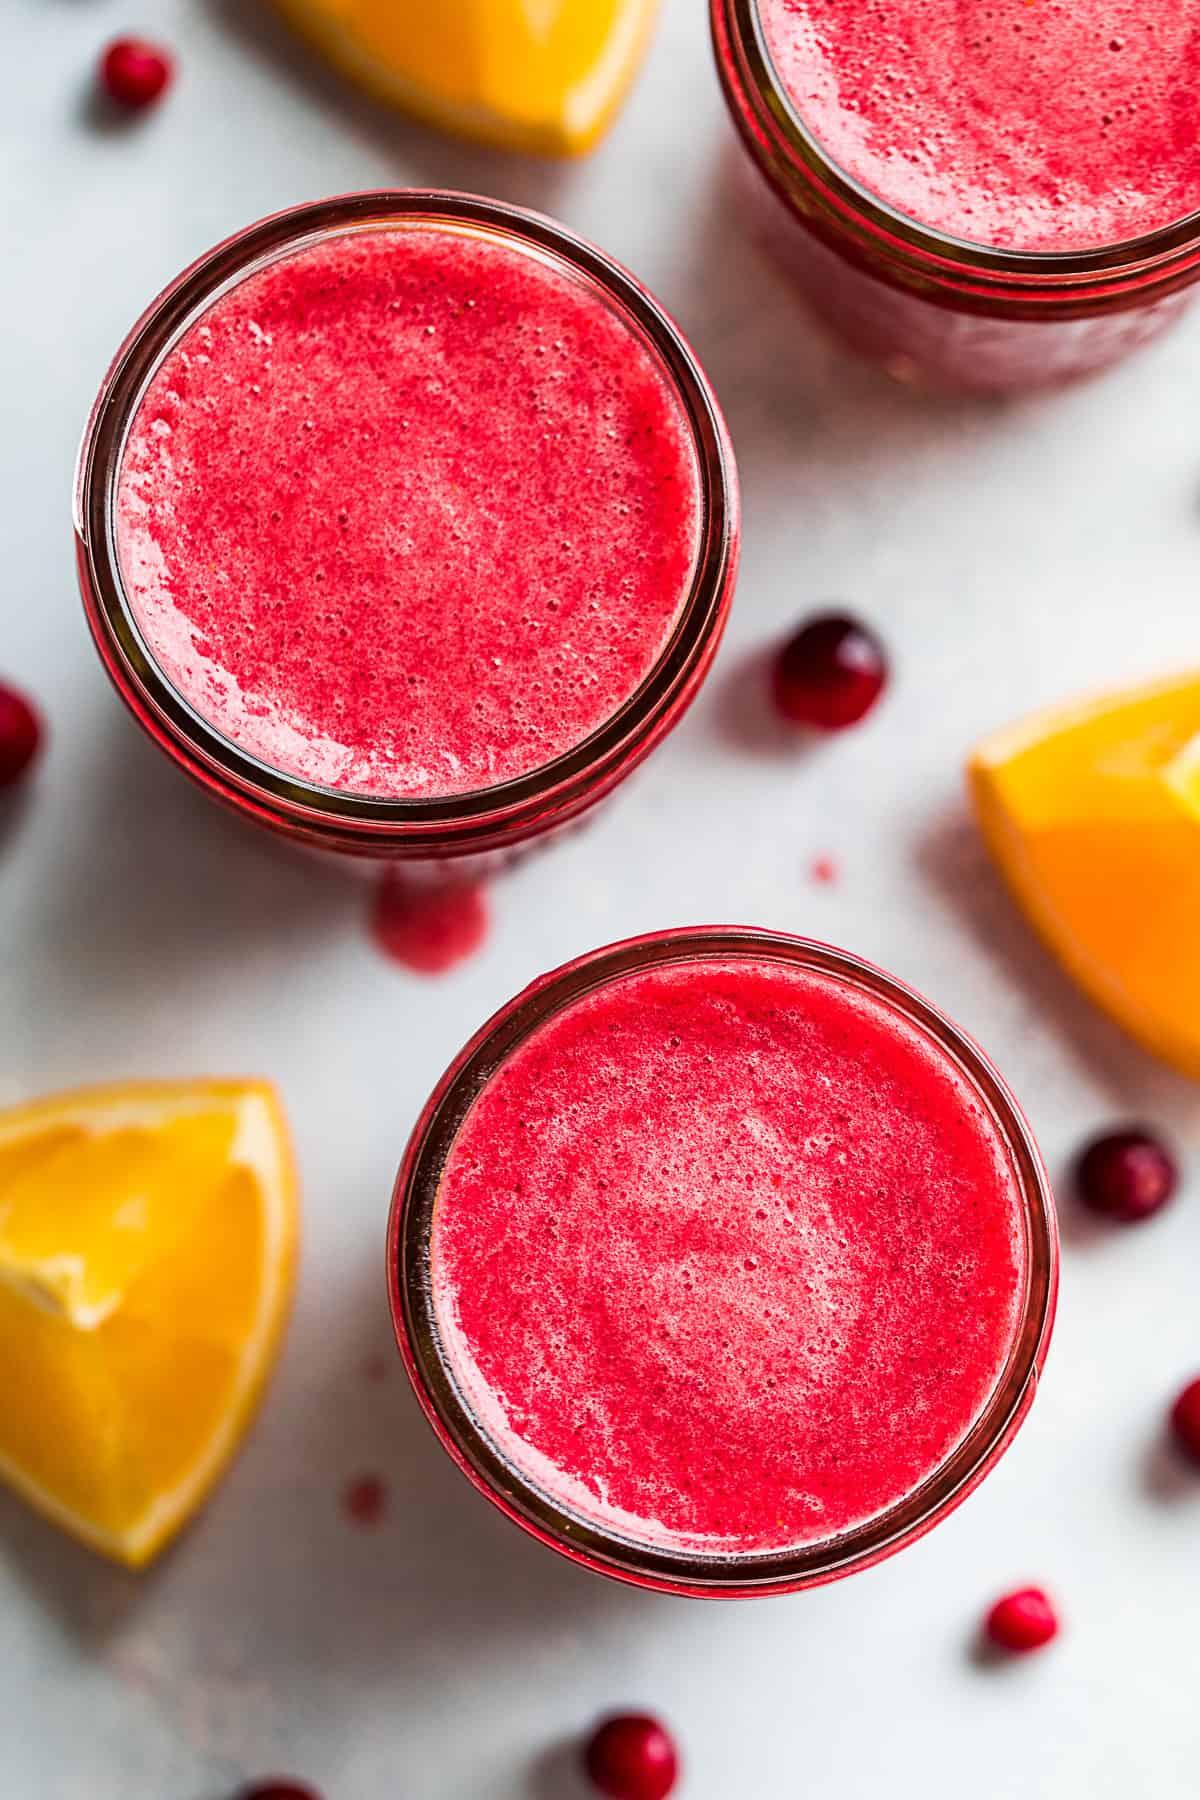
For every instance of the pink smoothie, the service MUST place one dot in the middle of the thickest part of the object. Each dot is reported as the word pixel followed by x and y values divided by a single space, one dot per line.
pixel 409 512
pixel 727 1257
pixel 1024 124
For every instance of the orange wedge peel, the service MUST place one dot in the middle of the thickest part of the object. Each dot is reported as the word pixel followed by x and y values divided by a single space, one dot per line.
pixel 1092 812
pixel 541 76
pixel 147 1253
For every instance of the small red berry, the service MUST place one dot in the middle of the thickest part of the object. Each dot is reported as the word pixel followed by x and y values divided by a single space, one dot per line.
pixel 279 1790
pixel 631 1757
pixel 20 735
pixel 1022 1621
pixel 1185 1420
pixel 830 674
pixel 365 1500
pixel 135 73
pixel 1126 1175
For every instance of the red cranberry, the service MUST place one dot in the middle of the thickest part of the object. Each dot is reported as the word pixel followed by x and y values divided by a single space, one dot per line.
pixel 1185 1420
pixel 1126 1175
pixel 631 1757
pixel 20 735
pixel 1022 1621
pixel 279 1790
pixel 830 674
pixel 135 73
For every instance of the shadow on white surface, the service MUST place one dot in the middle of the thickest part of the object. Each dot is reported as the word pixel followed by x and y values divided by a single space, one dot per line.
pixel 556 1776
pixel 1079 1228
pixel 952 859
pixel 99 114
pixel 16 810
pixel 88 1598
pixel 290 1583
pixel 795 399
pixel 987 1657
pixel 424 155
pixel 442 1578
pixel 163 883
pixel 1166 1476
pixel 744 715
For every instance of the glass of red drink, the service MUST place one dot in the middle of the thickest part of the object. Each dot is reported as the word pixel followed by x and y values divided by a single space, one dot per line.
pixel 976 196
pixel 407 524
pixel 722 1263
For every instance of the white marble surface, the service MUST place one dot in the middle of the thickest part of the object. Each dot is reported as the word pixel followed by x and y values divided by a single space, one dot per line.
pixel 1009 553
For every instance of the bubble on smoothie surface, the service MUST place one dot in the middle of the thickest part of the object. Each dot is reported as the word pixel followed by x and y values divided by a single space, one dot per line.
pixel 408 513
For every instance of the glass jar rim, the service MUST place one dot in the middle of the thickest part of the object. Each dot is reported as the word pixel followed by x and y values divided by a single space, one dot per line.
pixel 1166 252
pixel 414 1315
pixel 569 780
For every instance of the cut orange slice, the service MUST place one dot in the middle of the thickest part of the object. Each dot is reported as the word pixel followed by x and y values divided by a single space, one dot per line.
pixel 147 1252
pixel 543 76
pixel 1093 814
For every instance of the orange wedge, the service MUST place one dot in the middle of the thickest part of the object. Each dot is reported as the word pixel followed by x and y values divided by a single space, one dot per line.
pixel 147 1250
pixel 542 76
pixel 1092 812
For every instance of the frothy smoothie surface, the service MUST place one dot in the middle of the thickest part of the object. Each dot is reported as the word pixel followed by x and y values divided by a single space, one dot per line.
pixel 409 512
pixel 1024 124
pixel 727 1257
